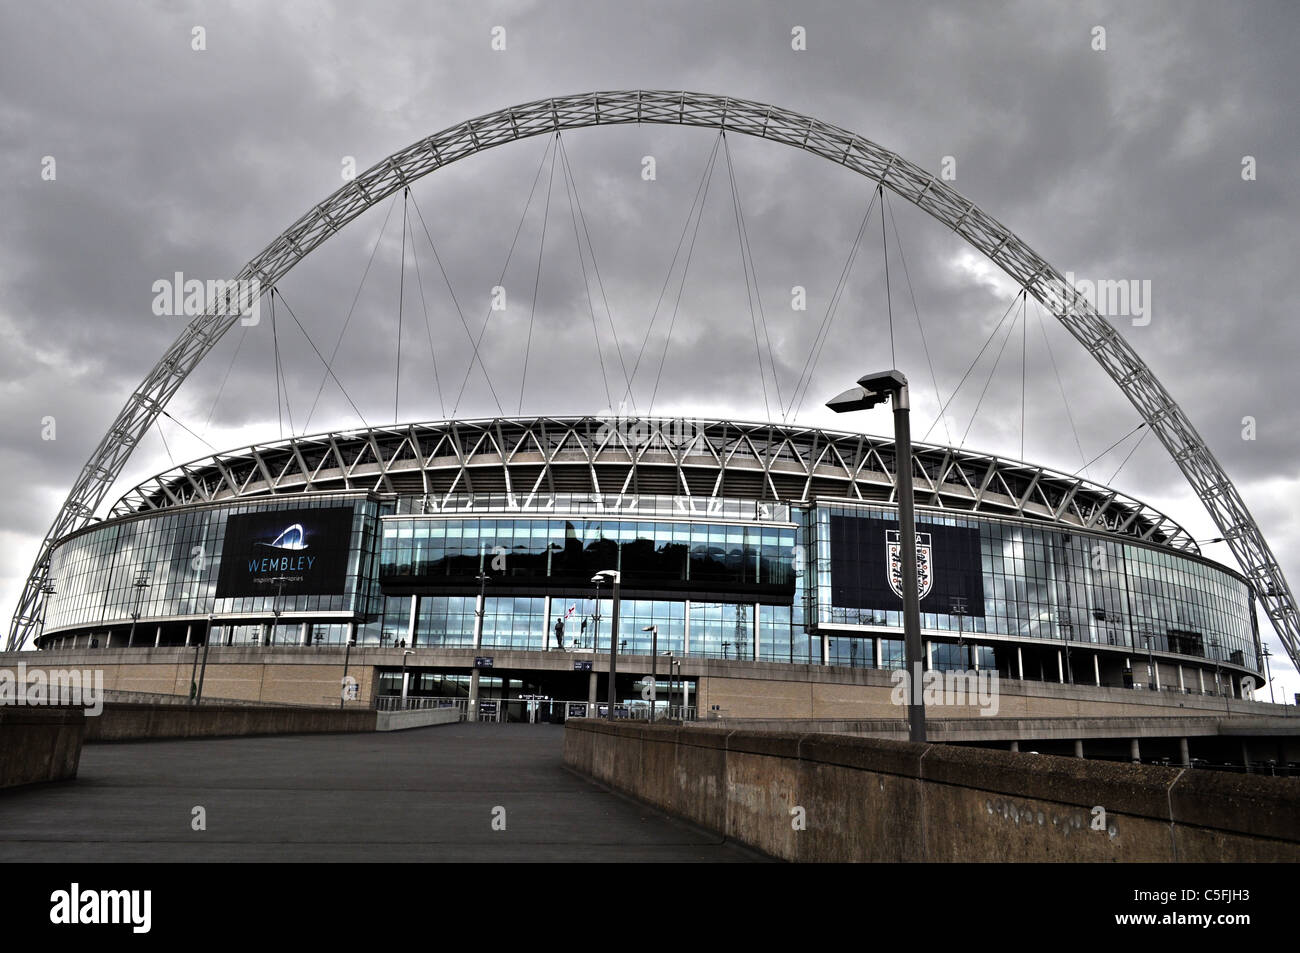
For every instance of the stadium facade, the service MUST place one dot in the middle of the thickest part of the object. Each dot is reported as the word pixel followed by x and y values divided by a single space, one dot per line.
pixel 740 542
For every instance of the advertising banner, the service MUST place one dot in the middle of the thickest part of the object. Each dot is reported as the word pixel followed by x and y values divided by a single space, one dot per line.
pixel 286 552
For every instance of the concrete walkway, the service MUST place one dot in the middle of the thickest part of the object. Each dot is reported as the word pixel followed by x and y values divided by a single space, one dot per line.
pixel 422 795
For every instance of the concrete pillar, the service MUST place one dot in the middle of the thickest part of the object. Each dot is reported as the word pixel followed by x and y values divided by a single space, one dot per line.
pixel 108 640
pixel 1096 668
pixel 1245 757
pixel 472 713
pixel 411 620
pixel 1078 747
pixel 303 630
pixel 876 655
pixel 1200 677
pixel 1155 671
pixel 1184 754
pixel 825 649
pixel 1134 751
pixel 756 646
pixel 929 655
pixel 1182 686
pixel 189 629
pixel 1020 663
pixel 157 637
pixel 1015 746
pixel 261 633
pixel 591 695
pixel 686 631
pixel 1060 668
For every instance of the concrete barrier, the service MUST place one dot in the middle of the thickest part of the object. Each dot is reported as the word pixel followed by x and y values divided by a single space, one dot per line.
pixel 820 797
pixel 417 718
pixel 39 744
pixel 129 722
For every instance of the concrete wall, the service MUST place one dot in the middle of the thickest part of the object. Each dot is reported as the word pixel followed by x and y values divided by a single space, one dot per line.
pixel 39 744
pixel 148 722
pixel 420 718
pixel 312 676
pixel 866 799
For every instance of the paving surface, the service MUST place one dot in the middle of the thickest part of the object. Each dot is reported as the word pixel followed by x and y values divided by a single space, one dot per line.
pixel 427 794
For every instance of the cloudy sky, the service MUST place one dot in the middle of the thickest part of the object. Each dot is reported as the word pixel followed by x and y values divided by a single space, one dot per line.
pixel 1122 163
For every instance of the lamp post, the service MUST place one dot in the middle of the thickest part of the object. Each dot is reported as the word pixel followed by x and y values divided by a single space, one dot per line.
pixel 615 577
pixel 654 664
pixel 275 607
pixel 207 635
pixel 1268 674
pixel 347 656
pixel 140 584
pixel 959 608
pixel 47 590
pixel 871 390
pixel 405 655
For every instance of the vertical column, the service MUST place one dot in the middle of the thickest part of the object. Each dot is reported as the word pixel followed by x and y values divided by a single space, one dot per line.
pixel 1020 663
pixel 1015 746
pixel 825 649
pixel 547 624
pixel 756 644
pixel 1184 754
pixel 686 631
pixel 189 628
pixel 303 630
pixel 1078 747
pixel 1200 677
pixel 472 713
pixel 157 637
pixel 411 620
pixel 1155 671
pixel 876 656
pixel 591 695
pixel 1096 668
pixel 1134 751
pixel 929 655
pixel 1060 668
pixel 1182 687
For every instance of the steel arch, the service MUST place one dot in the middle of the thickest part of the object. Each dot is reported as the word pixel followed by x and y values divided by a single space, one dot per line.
pixel 907 180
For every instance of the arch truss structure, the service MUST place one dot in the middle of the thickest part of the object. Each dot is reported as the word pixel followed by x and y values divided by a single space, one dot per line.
pixel 905 179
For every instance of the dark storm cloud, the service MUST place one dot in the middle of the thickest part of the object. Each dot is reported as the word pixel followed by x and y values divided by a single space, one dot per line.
pixel 1120 164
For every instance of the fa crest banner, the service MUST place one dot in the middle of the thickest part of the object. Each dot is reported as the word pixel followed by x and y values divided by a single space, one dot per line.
pixel 894 557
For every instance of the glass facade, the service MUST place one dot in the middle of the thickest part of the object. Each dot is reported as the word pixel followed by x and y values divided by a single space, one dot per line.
pixel 175 556
pixel 741 588
pixel 1052 584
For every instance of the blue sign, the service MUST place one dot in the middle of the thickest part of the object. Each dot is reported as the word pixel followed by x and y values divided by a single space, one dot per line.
pixel 483 661
pixel 582 666
pixel 577 710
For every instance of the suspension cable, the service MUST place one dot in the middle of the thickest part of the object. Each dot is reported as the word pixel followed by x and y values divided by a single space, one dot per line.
pixel 753 270
pixel 708 171
pixel 424 307
pixel 744 264
pixel 329 370
pixel 501 281
pixel 974 361
pixel 351 310
pixel 1111 447
pixel 925 344
pixel 600 281
pixel 1024 356
pixel 537 279
pixel 1042 326
pixel 884 253
pixel 586 282
pixel 832 307
pixel 469 335
pixel 989 379
pixel 230 367
pixel 401 300
pixel 1126 457
pixel 681 287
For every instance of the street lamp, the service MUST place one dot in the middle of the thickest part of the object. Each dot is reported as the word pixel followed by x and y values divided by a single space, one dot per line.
pixel 1269 675
pixel 654 664
pixel 405 654
pixel 47 590
pixel 275 607
pixel 615 577
pixel 871 390
pixel 141 583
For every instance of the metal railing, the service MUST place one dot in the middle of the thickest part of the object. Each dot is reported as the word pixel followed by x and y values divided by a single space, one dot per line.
pixel 533 710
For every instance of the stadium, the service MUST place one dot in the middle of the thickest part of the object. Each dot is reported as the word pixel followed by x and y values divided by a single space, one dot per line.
pixel 450 560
